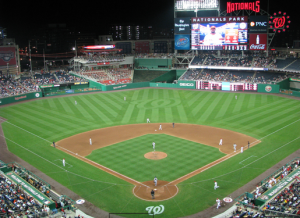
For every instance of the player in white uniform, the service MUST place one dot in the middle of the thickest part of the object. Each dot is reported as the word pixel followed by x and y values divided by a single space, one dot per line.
pixel 124 98
pixel 160 127
pixel 148 120
pixel 236 97
pixel 216 185
pixel 218 203
pixel 75 102
pixel 242 149
pixel 213 38
pixel 64 162
pixel 155 181
pixel 153 145
pixel 221 142
pixel 90 141
pixel 234 147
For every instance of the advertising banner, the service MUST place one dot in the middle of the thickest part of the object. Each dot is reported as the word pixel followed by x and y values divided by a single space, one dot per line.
pixel 187 84
pixel 258 41
pixel 229 19
pixel 7 56
pixel 182 42
pixel 258 24
pixel 182 25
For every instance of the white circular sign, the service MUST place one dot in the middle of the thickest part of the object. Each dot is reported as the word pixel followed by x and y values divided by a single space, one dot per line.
pixel 227 200
pixel 37 95
pixel 80 201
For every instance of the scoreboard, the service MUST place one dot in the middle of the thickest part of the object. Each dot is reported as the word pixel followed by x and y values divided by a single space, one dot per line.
pixel 211 85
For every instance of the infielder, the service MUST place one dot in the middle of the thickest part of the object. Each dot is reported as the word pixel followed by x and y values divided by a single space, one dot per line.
pixel 216 185
pixel 160 127
pixel 234 147
pixel 155 181
pixel 64 162
pixel 148 120
pixel 218 203
pixel 221 142
pixel 242 149
pixel 90 141
pixel 153 145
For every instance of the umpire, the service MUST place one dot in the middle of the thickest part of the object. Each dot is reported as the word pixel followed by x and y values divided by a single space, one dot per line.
pixel 152 194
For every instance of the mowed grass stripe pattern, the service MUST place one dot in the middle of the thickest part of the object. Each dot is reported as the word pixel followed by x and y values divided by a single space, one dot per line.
pixel 128 158
pixel 252 114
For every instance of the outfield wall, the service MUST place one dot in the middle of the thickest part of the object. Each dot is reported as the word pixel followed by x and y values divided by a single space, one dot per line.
pixel 19 98
pixel 268 88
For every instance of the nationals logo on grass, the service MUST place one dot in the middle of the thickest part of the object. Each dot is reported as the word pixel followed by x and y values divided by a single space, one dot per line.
pixel 155 210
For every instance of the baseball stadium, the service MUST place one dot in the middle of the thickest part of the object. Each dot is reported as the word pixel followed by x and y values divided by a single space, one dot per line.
pixel 224 118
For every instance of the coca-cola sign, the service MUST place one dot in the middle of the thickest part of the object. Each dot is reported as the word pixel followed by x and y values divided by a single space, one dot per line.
pixel 258 47
pixel 258 41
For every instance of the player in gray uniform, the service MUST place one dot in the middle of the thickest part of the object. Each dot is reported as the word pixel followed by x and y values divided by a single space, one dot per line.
pixel 234 147
pixel 155 181
pixel 153 145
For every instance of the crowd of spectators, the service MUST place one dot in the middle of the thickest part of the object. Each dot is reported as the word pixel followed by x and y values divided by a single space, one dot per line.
pixel 240 62
pixel 268 77
pixel 286 202
pixel 101 58
pixel 15 202
pixel 154 55
pixel 213 61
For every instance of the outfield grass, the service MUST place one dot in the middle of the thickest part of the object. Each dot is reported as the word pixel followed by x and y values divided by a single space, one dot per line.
pixel 33 126
pixel 128 158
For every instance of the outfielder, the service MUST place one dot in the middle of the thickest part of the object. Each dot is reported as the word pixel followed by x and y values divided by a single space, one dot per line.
pixel 75 102
pixel 64 162
pixel 218 203
pixel 153 145
pixel 236 97
pixel 234 147
pixel 148 120
pixel 160 127
pixel 124 98
pixel 90 141
pixel 221 142
pixel 155 181
pixel 216 185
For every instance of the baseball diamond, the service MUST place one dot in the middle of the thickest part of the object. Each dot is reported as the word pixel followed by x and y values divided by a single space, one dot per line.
pixel 115 173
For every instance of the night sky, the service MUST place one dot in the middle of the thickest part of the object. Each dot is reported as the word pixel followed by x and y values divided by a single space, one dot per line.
pixel 21 17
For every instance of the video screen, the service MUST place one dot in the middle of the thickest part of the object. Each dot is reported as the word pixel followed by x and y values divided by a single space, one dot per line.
pixel 219 36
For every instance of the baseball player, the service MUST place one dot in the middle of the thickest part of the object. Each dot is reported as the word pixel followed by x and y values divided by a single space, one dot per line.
pixel 124 98
pixel 153 145
pixel 234 147
pixel 173 125
pixel 216 185
pixel 152 194
pixel 90 141
pixel 218 203
pixel 248 144
pixel 257 190
pixel 242 149
pixel 64 162
pixel 221 142
pixel 148 120
pixel 54 144
pixel 236 97
pixel 155 181
pixel 160 127
pixel 75 102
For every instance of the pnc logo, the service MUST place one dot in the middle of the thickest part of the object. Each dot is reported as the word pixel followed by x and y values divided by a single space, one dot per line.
pixel 252 23
pixel 261 24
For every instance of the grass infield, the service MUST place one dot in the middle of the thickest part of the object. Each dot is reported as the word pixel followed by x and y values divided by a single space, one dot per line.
pixel 128 158
pixel 32 126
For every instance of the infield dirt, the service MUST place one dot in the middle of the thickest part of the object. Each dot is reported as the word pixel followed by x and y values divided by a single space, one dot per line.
pixel 79 146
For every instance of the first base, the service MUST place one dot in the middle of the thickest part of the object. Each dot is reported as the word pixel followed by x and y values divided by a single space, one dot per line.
pixel 155 130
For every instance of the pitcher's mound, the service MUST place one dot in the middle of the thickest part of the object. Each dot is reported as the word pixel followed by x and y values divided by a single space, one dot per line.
pixel 162 191
pixel 155 155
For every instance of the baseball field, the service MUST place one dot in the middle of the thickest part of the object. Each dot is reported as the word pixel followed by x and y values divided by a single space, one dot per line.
pixel 115 173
